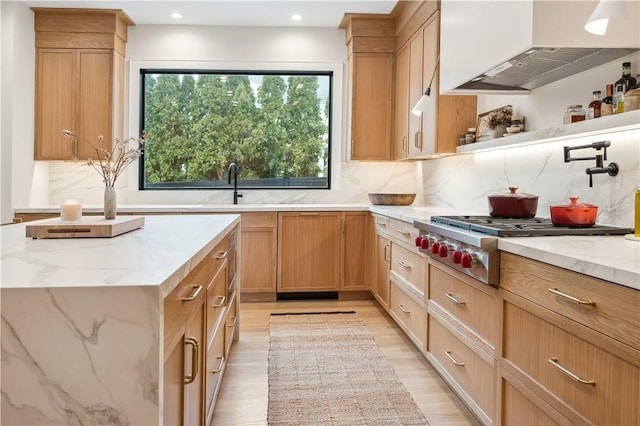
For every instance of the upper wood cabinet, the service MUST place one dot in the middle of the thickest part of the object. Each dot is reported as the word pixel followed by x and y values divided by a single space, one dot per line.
pixel 437 130
pixel 79 79
pixel 370 43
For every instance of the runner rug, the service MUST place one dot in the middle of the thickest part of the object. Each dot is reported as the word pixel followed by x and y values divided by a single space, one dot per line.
pixel 325 369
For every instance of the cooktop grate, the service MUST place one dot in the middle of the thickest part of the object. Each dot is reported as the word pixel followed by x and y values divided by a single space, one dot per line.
pixel 527 227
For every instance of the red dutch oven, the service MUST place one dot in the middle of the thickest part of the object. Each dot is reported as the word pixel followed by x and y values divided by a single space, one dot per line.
pixel 513 205
pixel 574 214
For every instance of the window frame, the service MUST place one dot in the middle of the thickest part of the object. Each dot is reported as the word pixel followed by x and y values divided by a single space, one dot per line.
pixel 335 128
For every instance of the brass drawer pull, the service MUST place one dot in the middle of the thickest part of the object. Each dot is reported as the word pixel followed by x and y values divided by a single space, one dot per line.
pixel 386 258
pixel 573 299
pixel 405 143
pixel 450 297
pixel 221 300
pixel 455 361
pixel 219 369
pixel 404 264
pixel 404 232
pixel 381 224
pixel 554 361
pixel 221 254
pixel 403 309
pixel 194 295
pixel 234 322
pixel 194 359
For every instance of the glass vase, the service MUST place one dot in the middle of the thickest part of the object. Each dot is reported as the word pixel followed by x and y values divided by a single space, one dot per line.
pixel 110 202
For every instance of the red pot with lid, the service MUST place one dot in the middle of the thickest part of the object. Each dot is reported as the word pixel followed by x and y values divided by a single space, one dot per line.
pixel 574 214
pixel 513 204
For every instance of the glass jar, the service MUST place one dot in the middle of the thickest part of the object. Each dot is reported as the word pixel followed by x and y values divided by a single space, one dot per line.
pixel 574 113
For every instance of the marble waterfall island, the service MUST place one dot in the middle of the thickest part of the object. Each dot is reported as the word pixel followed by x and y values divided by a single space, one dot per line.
pixel 82 319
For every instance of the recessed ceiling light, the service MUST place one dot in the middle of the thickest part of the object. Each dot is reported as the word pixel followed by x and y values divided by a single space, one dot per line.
pixel 176 15
pixel 296 17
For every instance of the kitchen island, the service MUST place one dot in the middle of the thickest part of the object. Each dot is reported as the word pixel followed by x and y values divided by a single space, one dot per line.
pixel 82 319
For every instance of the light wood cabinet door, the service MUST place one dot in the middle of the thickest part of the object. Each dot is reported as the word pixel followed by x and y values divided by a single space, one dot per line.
pixel 430 47
pixel 194 366
pixel 309 251
pixel 75 91
pixel 355 243
pixel 381 284
pixel 259 242
pixel 371 108
pixel 416 48
pixel 401 141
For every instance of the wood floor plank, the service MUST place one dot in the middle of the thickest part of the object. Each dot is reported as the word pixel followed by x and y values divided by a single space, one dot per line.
pixel 243 398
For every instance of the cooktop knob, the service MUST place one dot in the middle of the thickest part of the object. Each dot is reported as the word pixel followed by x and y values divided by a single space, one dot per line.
pixel 419 241
pixel 466 261
pixel 443 251
pixel 425 243
pixel 435 248
pixel 456 257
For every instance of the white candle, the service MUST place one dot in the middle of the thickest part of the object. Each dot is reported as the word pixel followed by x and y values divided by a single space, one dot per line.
pixel 71 211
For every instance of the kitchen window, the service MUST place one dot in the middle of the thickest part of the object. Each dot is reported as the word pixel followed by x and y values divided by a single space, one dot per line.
pixel 274 124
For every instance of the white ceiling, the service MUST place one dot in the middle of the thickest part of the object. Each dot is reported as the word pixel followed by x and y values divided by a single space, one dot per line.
pixel 316 13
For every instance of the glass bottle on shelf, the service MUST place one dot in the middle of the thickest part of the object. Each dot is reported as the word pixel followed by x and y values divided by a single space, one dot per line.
pixel 606 108
pixel 626 80
pixel 594 106
pixel 618 99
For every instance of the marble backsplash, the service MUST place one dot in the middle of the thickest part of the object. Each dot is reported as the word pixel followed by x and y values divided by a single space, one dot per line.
pixel 461 182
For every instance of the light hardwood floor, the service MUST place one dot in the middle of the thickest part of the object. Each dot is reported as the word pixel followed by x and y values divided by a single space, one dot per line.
pixel 244 394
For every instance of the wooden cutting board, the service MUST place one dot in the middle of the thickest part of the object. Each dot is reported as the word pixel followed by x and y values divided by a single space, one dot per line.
pixel 88 227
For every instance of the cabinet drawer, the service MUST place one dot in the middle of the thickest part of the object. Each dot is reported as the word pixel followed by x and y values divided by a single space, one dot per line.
pixel 409 265
pixel 382 223
pixel 517 409
pixel 541 351
pixel 403 231
pixel 216 303
pixel 475 306
pixel 259 220
pixel 470 371
pixel 214 370
pixel 411 315
pixel 231 324
pixel 613 309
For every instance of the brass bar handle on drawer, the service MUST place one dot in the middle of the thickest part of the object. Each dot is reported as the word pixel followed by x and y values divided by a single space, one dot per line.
pixel 404 264
pixel 233 324
pixel 221 300
pixel 219 369
pixel 194 359
pixel 403 309
pixel 450 297
pixel 381 224
pixel 455 361
pixel 194 295
pixel 386 259
pixel 554 361
pixel 221 254
pixel 573 299
pixel 404 232
pixel 405 143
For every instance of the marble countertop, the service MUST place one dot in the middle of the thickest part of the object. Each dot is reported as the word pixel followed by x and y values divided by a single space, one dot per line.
pixel 160 254
pixel 207 208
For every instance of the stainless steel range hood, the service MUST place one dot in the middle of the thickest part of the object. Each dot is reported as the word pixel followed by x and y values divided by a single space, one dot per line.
pixel 542 65
pixel 516 46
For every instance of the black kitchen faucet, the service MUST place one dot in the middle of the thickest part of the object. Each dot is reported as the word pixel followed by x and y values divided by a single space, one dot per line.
pixel 234 168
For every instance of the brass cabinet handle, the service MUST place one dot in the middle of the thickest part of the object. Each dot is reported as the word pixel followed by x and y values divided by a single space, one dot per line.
pixel 381 224
pixel 221 254
pixel 404 232
pixel 404 264
pixel 221 300
pixel 554 361
pixel 233 324
pixel 309 213
pixel 405 143
pixel 386 259
pixel 188 378
pixel 455 361
pixel 450 297
pixel 420 139
pixel 572 298
pixel 219 369
pixel 194 294
pixel 403 309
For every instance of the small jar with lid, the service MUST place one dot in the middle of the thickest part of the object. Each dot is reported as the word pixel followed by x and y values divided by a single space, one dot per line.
pixel 574 113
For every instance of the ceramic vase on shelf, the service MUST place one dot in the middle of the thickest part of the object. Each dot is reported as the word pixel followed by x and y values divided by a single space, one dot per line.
pixel 110 202
pixel 499 130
